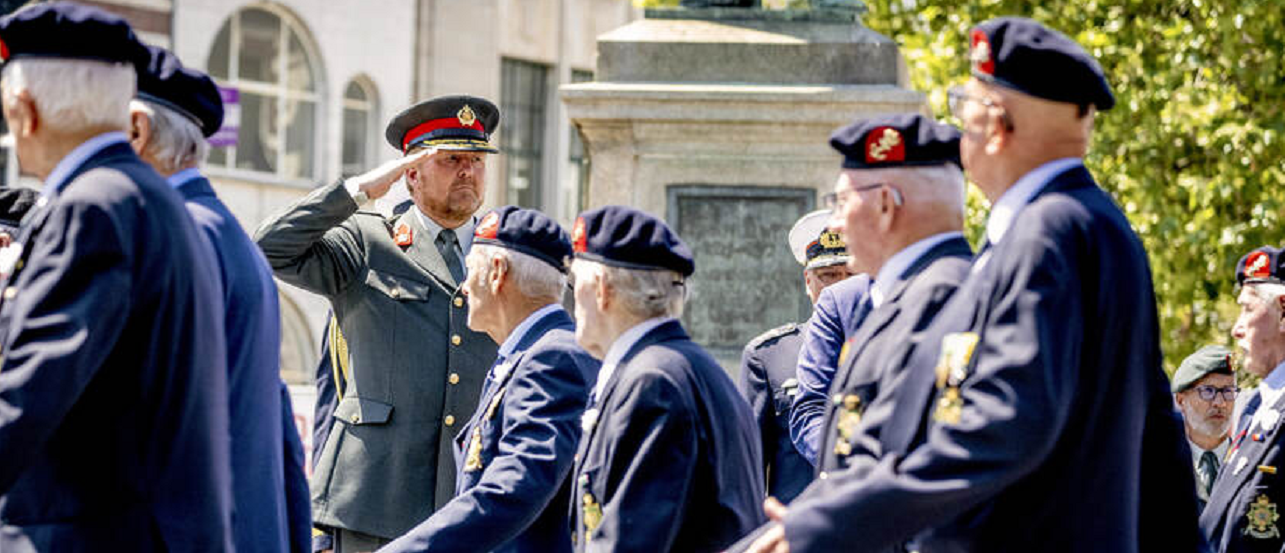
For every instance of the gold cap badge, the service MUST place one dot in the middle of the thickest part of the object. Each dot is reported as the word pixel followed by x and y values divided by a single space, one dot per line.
pixel 466 116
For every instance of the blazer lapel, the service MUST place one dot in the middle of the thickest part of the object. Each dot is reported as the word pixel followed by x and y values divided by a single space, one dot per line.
pixel 1249 455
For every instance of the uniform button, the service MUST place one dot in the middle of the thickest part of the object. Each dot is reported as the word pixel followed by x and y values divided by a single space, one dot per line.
pixel 450 420
pixel 459 302
pixel 456 339
pixel 823 475
pixel 356 418
pixel 10 293
pixel 454 378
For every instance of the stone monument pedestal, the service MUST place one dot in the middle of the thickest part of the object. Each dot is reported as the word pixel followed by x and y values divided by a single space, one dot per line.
pixel 719 121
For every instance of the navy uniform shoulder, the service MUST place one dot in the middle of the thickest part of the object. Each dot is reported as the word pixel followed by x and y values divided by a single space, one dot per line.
pixel 772 336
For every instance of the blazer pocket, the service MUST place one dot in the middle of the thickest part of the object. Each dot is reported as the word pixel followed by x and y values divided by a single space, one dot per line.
pixel 357 411
pixel 398 287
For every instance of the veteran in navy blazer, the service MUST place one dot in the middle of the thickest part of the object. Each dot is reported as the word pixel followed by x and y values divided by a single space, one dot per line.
pixel 1243 513
pixel 1035 413
pixel 177 109
pixel 113 386
pixel 670 458
pixel 516 451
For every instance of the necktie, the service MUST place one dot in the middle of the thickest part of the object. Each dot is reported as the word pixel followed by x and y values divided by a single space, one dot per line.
pixel 1208 469
pixel 446 245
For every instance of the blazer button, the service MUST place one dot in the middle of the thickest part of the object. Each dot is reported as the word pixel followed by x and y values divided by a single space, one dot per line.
pixel 356 418
pixel 454 378
pixel 450 420
pixel 456 339
pixel 823 475
pixel 459 302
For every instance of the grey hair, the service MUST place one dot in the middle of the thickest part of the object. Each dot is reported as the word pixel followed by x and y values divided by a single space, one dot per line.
pixel 647 293
pixel 1267 291
pixel 176 141
pixel 73 94
pixel 945 183
pixel 535 278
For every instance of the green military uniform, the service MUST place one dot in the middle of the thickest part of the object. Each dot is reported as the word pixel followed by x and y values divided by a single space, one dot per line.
pixel 415 370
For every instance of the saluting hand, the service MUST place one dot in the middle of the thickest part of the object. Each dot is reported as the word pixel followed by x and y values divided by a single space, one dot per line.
pixel 376 182
pixel 772 541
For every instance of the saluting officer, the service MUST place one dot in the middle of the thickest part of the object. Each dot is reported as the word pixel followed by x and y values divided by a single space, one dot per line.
pixel 113 384
pixel 1243 513
pixel 1035 409
pixel 670 457
pixel 414 370
pixel 769 361
pixel 176 110
pixel 516 451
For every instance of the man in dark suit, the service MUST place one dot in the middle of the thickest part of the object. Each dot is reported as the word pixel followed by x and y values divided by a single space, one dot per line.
pixel 670 457
pixel 113 385
pixel 415 369
pixel 516 450
pixel 1011 426
pixel 1243 511
pixel 768 365
pixel 176 110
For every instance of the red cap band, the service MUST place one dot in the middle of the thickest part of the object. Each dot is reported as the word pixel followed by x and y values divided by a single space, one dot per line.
pixel 436 125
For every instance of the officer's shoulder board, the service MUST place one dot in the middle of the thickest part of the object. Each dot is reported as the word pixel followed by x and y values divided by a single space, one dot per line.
pixel 770 337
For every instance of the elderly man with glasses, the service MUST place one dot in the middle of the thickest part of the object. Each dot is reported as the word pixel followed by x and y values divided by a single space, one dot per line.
pixel 1204 388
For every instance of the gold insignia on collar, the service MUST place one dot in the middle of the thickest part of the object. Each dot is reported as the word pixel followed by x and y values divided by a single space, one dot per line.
pixel 1261 519
pixel 466 116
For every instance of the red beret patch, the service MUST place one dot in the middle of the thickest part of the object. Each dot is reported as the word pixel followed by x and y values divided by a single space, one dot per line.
pixel 489 227
pixel 579 242
pixel 1258 265
pixel 4 51
pixel 980 55
pixel 883 145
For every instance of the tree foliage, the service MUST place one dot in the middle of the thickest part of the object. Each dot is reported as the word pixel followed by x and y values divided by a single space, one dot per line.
pixel 1193 150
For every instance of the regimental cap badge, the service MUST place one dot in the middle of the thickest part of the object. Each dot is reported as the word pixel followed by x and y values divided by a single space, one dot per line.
pixel 579 241
pixel 466 116
pixel 831 240
pixel 1261 519
pixel 885 144
pixel 489 227
pixel 980 54
pixel 1258 265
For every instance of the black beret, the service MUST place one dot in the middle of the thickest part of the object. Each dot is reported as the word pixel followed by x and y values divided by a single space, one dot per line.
pixel 625 237
pixel 446 123
pixel 71 31
pixel 1264 264
pixel 188 92
pixel 527 231
pixel 896 140
pixel 1206 360
pixel 1026 56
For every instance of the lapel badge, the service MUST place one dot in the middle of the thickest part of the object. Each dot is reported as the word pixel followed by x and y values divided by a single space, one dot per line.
pixel 588 420
pixel 1240 465
pixel 1261 519
pixel 885 144
pixel 466 116
pixel 1270 418
pixel 1267 469
pixel 956 353
pixel 592 513
pixel 473 461
pixel 849 418
pixel 843 352
pixel 404 236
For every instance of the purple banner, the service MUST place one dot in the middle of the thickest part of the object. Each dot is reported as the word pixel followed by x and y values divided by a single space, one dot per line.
pixel 227 134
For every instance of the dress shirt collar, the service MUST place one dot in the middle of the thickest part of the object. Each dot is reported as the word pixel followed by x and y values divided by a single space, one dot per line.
pixel 463 233
pixel 900 262
pixel 77 157
pixel 183 177
pixel 1014 199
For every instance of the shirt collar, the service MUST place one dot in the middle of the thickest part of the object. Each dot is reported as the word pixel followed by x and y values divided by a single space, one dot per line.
pixel 77 157
pixel 1220 450
pixel 1015 198
pixel 515 337
pixel 463 233
pixel 900 262
pixel 1272 386
pixel 620 347
pixel 183 177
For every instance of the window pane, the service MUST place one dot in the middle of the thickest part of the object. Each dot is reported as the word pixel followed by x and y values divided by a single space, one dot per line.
pixel 218 62
pixel 354 92
pixel 301 127
pixel 260 36
pixel 300 72
pixel 523 92
pixel 218 157
pixel 256 147
pixel 356 129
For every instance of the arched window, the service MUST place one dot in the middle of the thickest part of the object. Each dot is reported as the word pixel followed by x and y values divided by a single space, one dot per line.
pixel 361 110
pixel 267 57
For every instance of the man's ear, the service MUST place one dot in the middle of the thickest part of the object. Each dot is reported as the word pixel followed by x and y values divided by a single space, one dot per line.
pixel 25 117
pixel 1178 398
pixel 140 130
pixel 602 293
pixel 999 130
pixel 499 275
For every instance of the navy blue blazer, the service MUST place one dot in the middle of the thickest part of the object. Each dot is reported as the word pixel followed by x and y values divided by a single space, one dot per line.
pixel 113 388
pixel 516 451
pixel 1243 513
pixel 833 321
pixel 671 461
pixel 1035 411
pixel 769 384
pixel 253 323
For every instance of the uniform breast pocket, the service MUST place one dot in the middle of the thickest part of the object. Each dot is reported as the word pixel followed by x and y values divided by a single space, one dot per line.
pixel 398 287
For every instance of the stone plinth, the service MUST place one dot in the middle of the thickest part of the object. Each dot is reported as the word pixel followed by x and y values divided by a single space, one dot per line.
pixel 727 149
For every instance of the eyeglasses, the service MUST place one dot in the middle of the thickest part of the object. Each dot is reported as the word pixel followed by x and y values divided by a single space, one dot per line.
pixel 955 98
pixel 1207 393
pixel 836 200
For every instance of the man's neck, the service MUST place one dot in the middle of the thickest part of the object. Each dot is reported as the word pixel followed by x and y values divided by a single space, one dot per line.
pixel 1207 442
pixel 57 145
pixel 1015 169
pixel 515 310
